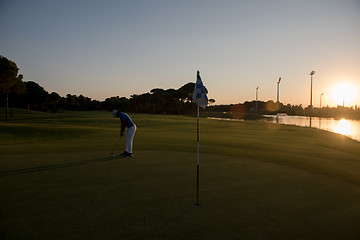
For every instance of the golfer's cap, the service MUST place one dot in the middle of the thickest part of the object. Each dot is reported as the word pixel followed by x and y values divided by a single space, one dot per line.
pixel 114 113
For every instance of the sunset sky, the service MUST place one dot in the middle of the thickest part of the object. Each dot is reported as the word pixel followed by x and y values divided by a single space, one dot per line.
pixel 118 48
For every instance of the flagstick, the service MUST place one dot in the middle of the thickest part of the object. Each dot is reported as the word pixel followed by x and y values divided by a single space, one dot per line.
pixel 198 161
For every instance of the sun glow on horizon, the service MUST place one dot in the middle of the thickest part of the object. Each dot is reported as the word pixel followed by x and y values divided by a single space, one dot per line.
pixel 344 93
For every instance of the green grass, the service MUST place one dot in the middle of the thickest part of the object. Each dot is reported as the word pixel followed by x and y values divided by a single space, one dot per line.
pixel 257 180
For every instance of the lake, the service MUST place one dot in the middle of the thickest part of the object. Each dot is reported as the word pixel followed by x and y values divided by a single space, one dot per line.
pixel 350 128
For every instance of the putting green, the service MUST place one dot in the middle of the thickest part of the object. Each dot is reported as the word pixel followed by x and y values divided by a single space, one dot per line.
pixel 257 180
pixel 152 196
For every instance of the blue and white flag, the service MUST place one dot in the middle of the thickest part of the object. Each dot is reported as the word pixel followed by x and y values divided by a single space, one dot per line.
pixel 199 95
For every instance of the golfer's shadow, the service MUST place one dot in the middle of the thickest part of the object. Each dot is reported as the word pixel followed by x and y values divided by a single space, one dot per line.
pixel 51 167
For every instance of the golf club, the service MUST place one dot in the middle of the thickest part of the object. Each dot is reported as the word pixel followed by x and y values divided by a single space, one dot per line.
pixel 117 143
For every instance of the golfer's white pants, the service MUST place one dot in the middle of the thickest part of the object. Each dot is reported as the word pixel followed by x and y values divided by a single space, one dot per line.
pixel 129 138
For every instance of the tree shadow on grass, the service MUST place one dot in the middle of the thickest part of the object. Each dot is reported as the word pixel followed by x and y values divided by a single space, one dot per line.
pixel 51 167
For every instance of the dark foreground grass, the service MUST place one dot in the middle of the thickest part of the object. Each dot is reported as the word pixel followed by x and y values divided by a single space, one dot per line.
pixel 258 180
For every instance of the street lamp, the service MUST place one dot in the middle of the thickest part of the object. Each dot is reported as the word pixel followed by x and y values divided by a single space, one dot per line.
pixel 320 111
pixel 278 83
pixel 320 100
pixel 257 88
pixel 311 74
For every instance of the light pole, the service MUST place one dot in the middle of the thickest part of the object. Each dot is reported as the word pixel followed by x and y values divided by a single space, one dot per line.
pixel 278 95
pixel 257 88
pixel 278 83
pixel 311 74
pixel 320 111
pixel 320 100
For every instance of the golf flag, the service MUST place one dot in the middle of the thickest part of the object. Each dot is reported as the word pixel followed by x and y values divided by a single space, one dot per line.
pixel 201 99
pixel 199 94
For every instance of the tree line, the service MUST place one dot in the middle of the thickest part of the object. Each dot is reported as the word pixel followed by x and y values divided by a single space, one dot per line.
pixel 157 101
pixel 14 92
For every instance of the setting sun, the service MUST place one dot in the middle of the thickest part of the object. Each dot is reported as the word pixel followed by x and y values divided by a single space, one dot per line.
pixel 344 94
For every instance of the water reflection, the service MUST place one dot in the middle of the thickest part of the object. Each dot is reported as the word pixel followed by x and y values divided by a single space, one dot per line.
pixel 344 127
pixel 350 128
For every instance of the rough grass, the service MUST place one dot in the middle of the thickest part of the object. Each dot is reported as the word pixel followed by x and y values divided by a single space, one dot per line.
pixel 257 180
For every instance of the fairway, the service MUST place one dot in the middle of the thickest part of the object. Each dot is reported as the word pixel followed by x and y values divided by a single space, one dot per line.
pixel 257 180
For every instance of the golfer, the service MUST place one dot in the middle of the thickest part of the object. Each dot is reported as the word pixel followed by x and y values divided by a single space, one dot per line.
pixel 126 122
